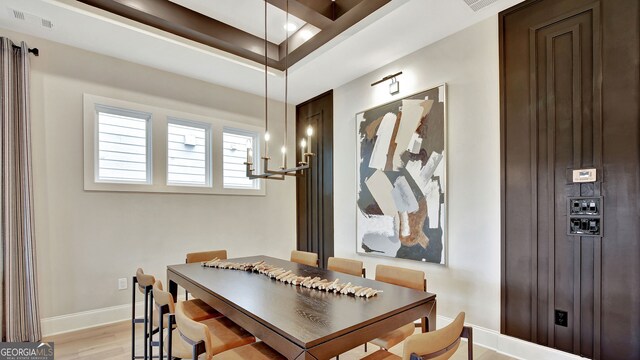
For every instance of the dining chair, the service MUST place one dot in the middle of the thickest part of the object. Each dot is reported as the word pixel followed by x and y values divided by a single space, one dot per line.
pixel 438 345
pixel 256 351
pixel 195 309
pixel 202 256
pixel 347 266
pixel 144 284
pixel 206 256
pixel 304 258
pixel 413 279
pixel 209 337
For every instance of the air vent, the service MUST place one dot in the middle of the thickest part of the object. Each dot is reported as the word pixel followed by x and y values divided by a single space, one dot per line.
pixel 18 14
pixel 476 5
pixel 31 19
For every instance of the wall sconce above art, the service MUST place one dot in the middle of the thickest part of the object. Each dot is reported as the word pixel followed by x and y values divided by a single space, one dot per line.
pixel 394 86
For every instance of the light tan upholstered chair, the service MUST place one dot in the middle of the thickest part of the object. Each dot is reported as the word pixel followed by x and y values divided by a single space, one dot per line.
pixel 413 279
pixel 209 337
pixel 346 266
pixel 196 257
pixel 206 256
pixel 439 345
pixel 195 309
pixel 255 351
pixel 144 283
pixel 304 258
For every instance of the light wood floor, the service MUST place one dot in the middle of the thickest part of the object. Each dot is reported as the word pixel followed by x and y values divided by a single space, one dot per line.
pixel 114 342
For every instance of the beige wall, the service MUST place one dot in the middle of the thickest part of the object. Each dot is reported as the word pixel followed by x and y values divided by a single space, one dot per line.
pixel 468 62
pixel 87 240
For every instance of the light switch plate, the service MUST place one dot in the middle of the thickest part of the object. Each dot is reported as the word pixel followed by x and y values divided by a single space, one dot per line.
pixel 122 284
pixel 584 175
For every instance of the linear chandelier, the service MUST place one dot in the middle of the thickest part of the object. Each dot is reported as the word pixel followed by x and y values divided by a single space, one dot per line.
pixel 279 174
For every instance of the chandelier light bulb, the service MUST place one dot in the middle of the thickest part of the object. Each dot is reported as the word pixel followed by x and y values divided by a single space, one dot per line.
pixel 284 150
pixel 309 130
pixel 267 136
pixel 303 143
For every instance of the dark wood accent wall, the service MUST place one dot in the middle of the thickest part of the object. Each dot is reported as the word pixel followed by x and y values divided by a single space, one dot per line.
pixel 314 191
pixel 570 88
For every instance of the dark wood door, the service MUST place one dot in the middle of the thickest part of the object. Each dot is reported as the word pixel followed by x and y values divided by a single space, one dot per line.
pixel 569 97
pixel 314 191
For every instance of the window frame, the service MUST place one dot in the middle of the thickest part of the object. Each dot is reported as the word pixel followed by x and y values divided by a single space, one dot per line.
pixel 208 172
pixel 160 116
pixel 255 142
pixel 148 138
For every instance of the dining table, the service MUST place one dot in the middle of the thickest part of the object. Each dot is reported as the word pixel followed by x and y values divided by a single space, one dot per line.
pixel 300 322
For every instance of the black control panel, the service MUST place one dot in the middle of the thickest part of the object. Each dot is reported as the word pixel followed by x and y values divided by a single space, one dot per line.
pixel 585 216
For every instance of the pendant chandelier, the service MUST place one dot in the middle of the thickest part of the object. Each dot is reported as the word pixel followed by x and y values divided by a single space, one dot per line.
pixel 305 163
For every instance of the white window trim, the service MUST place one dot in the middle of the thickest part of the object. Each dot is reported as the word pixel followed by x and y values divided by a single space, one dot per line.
pixel 158 144
pixel 256 154
pixel 208 150
pixel 149 142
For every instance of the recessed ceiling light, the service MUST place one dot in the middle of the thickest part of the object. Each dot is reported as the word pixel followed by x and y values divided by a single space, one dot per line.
pixel 290 27
pixel 306 34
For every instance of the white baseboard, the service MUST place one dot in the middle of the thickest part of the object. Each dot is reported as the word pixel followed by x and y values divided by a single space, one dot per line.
pixel 87 319
pixel 511 346
pixel 481 336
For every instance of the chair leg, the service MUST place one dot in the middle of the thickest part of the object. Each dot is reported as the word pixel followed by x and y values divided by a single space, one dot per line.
pixel 365 347
pixel 170 338
pixel 467 332
pixel 161 334
pixel 151 325
pixel 133 321
pixel 146 324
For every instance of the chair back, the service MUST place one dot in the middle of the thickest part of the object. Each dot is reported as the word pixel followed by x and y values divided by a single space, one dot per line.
pixel 144 280
pixel 413 279
pixel 201 256
pixel 304 258
pixel 435 345
pixel 347 266
pixel 192 331
pixel 162 297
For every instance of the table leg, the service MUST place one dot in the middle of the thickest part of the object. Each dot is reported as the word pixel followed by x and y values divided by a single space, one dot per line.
pixel 173 289
pixel 429 323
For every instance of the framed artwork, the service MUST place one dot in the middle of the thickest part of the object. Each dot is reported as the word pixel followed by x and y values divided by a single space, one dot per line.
pixel 401 178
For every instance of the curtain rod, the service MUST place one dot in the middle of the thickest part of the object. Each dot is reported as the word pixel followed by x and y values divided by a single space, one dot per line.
pixel 34 51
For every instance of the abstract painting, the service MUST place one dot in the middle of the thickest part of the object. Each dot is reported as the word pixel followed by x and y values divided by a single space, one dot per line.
pixel 401 153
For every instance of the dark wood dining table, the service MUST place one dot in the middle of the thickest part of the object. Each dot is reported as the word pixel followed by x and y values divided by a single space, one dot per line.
pixel 302 323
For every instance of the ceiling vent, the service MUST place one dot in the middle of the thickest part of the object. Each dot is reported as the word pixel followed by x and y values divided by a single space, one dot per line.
pixel 476 5
pixel 30 18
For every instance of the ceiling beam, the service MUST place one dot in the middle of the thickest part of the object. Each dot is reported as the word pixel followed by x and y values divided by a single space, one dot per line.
pixel 358 12
pixel 318 13
pixel 173 18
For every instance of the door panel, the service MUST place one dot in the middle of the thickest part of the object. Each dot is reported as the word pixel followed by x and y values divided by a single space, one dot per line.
pixel 563 66
pixel 315 190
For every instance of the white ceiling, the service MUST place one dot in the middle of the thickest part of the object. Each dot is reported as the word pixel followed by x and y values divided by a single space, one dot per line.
pixel 246 15
pixel 397 29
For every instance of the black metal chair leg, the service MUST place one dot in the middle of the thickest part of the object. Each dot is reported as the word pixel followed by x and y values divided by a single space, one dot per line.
pixel 133 319
pixel 146 324
pixel 151 325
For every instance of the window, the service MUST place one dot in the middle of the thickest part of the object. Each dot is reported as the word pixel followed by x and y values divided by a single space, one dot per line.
pixel 146 148
pixel 235 143
pixel 123 150
pixel 189 153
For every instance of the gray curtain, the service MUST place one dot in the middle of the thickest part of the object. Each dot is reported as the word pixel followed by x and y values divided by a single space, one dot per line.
pixel 21 318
